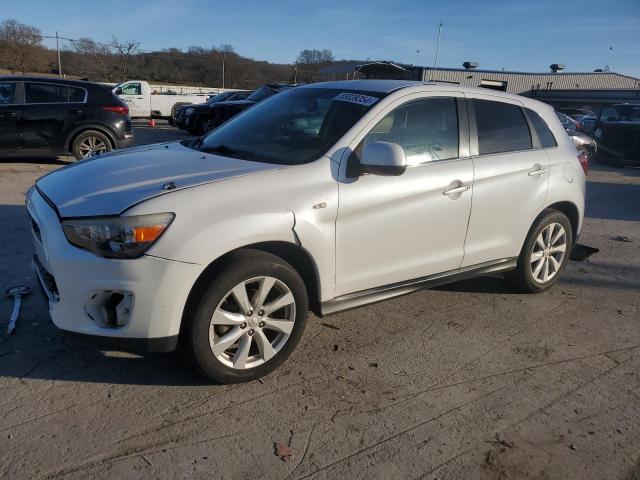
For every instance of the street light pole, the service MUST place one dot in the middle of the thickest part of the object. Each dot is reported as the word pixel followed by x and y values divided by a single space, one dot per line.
pixel 223 57
pixel 59 62
pixel 438 45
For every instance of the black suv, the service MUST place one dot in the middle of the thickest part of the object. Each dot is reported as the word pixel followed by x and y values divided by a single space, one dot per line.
pixel 56 117
pixel 205 118
pixel 182 112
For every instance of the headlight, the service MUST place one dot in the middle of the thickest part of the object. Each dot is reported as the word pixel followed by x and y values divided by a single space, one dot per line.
pixel 117 237
pixel 188 111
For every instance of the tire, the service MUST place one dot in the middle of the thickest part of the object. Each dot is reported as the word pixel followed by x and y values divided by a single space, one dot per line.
pixel 536 255
pixel 247 345
pixel 82 144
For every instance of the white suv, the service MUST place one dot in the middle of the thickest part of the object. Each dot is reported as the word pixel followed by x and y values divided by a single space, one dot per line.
pixel 323 198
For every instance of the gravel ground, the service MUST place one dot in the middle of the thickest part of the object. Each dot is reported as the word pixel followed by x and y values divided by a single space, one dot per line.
pixel 472 380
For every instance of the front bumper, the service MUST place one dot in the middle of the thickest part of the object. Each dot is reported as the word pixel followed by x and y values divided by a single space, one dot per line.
pixel 73 279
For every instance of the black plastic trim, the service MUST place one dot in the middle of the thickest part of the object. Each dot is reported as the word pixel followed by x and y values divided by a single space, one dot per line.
pixel 377 294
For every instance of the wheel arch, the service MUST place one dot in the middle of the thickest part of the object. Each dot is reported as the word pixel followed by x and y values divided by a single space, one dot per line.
pixel 572 213
pixel 96 127
pixel 292 253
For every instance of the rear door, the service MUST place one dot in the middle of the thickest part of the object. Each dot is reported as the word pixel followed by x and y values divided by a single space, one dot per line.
pixel 133 96
pixel 511 176
pixel 9 111
pixel 44 119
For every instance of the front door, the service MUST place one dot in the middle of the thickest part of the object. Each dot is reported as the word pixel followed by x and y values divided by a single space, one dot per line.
pixel 133 96
pixel 510 180
pixel 395 229
pixel 9 111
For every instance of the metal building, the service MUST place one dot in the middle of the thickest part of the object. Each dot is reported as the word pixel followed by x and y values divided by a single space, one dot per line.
pixel 589 90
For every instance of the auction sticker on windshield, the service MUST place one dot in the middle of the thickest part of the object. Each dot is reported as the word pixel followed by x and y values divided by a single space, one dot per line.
pixel 365 100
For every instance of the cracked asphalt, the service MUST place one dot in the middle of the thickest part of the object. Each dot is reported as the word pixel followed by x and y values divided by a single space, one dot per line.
pixel 469 381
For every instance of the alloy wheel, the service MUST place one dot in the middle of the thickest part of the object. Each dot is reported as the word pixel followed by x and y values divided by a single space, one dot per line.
pixel 548 252
pixel 252 322
pixel 91 146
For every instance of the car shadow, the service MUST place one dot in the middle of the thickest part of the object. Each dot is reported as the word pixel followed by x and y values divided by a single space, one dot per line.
pixel 37 159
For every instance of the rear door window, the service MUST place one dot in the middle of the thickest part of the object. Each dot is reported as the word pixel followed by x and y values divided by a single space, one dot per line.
pixel 45 93
pixel 7 93
pixel 501 127
pixel 77 95
pixel 427 130
pixel 547 140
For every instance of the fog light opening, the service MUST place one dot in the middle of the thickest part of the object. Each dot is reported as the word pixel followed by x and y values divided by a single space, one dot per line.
pixel 110 308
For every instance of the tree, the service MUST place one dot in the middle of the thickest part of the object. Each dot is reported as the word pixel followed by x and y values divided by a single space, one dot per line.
pixel 307 57
pixel 125 50
pixel 96 59
pixel 20 46
pixel 309 63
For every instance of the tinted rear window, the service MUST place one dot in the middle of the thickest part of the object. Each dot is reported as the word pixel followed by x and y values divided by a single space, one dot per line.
pixel 45 93
pixel 547 140
pixel 76 94
pixel 502 127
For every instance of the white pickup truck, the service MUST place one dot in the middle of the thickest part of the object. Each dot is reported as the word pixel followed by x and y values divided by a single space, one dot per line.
pixel 144 102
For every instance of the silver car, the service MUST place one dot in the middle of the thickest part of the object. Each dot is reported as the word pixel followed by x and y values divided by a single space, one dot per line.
pixel 324 197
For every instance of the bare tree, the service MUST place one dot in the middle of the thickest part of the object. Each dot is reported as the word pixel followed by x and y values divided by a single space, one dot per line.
pixel 307 57
pixel 125 50
pixel 97 57
pixel 309 63
pixel 20 45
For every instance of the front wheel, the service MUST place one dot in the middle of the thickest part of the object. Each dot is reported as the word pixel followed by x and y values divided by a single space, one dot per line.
pixel 249 318
pixel 545 253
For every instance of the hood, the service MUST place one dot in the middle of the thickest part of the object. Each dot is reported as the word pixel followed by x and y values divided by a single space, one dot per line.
pixel 111 183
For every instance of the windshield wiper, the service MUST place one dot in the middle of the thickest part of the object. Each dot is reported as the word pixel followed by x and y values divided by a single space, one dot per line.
pixel 223 150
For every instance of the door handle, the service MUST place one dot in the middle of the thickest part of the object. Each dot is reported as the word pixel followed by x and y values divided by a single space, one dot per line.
pixel 74 110
pixel 537 172
pixel 10 114
pixel 454 190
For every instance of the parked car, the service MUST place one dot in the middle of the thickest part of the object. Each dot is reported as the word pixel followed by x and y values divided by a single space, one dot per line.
pixel 325 197
pixel 144 102
pixel 182 112
pixel 584 143
pixel 50 116
pixel 576 112
pixel 618 133
pixel 205 118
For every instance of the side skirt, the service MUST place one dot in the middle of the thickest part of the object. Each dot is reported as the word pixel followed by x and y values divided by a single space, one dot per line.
pixel 377 294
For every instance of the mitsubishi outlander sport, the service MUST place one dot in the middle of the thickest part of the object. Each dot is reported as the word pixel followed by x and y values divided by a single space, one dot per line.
pixel 323 198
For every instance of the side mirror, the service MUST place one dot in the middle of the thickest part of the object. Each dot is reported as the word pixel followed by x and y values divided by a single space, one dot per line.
pixel 118 91
pixel 383 158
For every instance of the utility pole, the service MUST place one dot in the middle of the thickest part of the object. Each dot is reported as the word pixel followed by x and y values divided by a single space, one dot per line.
pixel 417 56
pixel 59 62
pixel 223 57
pixel 435 65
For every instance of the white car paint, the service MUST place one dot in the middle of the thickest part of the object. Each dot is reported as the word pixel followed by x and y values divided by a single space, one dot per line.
pixel 360 234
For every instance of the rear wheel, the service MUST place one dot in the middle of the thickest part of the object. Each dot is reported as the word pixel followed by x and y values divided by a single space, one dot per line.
pixel 545 253
pixel 249 319
pixel 90 143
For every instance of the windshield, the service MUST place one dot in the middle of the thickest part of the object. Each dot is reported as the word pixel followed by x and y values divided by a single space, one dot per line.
pixel 219 97
pixel 293 127
pixel 261 93
pixel 628 113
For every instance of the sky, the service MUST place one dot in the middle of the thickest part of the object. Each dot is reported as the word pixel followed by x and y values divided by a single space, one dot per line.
pixel 498 34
